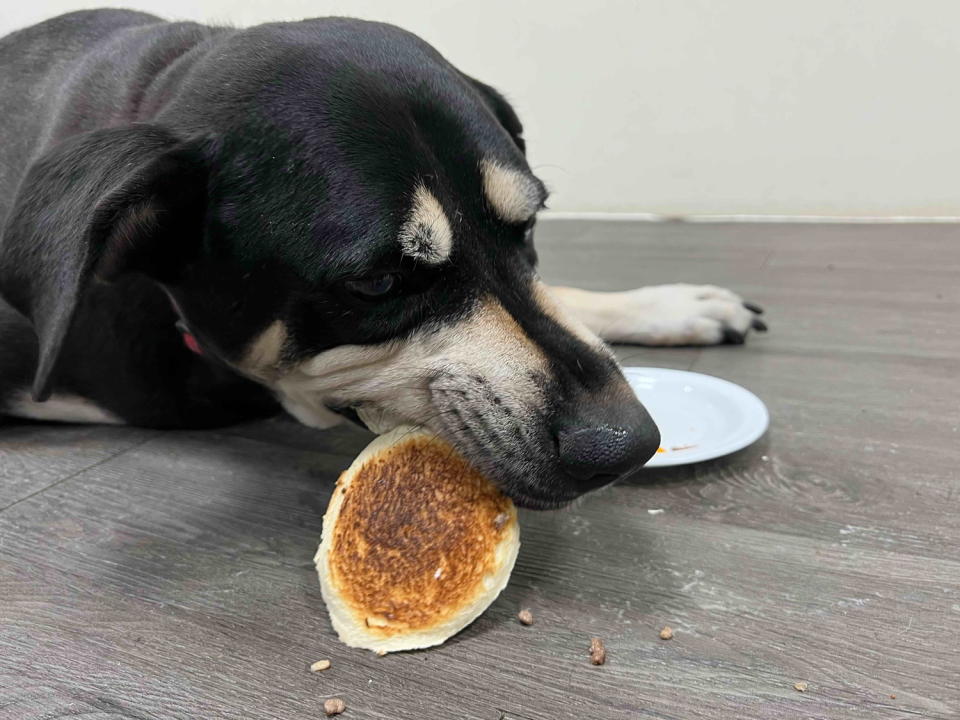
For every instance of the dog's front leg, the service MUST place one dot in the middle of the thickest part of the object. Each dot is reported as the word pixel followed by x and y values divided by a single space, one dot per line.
pixel 677 314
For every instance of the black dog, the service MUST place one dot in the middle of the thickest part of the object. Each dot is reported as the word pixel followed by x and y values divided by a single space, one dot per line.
pixel 199 222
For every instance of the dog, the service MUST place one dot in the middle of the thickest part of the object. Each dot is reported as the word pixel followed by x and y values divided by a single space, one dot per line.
pixel 201 225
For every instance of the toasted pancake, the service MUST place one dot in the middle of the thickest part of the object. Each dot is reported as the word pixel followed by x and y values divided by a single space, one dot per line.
pixel 416 544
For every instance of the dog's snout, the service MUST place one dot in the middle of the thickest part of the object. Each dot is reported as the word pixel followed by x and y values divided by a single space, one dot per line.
pixel 596 455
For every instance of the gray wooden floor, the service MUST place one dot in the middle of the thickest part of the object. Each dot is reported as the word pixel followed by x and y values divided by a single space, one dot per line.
pixel 168 575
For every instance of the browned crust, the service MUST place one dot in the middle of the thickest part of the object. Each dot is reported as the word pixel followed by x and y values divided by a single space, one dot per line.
pixel 413 510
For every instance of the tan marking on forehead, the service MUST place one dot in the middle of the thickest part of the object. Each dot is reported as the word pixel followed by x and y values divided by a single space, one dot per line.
pixel 513 194
pixel 263 357
pixel 426 233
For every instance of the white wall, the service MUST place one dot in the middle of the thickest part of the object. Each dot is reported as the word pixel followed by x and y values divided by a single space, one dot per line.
pixel 834 107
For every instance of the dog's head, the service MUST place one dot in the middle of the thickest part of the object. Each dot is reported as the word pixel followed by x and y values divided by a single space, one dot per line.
pixel 341 215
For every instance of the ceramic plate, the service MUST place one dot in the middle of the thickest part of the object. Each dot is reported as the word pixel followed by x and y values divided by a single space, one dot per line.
pixel 700 416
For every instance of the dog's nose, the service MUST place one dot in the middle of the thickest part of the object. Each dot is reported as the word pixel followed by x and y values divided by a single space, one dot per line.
pixel 597 455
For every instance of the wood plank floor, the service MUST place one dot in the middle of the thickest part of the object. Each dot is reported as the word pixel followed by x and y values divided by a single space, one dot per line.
pixel 168 575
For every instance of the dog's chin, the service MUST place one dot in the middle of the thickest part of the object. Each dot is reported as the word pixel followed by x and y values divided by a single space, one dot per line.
pixel 537 495
pixel 538 502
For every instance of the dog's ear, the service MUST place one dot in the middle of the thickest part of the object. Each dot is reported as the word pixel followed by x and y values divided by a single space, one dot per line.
pixel 503 111
pixel 97 205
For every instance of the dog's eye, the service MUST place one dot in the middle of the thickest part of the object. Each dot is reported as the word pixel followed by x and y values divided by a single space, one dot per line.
pixel 374 287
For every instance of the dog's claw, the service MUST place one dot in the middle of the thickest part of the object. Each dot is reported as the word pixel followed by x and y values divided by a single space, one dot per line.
pixel 759 325
pixel 753 308
pixel 733 337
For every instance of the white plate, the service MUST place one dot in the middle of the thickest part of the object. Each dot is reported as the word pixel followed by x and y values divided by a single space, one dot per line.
pixel 700 416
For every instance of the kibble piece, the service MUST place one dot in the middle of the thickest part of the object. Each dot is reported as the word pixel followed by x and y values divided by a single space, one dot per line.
pixel 666 633
pixel 525 617
pixel 598 653
pixel 800 686
pixel 334 706
pixel 320 666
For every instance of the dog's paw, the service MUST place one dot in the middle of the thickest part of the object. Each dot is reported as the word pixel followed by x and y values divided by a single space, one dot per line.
pixel 681 314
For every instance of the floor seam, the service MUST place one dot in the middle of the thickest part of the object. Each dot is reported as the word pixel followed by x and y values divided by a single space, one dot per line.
pixel 77 472
pixel 695 360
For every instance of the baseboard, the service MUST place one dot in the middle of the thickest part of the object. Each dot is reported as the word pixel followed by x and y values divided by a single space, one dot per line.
pixel 653 217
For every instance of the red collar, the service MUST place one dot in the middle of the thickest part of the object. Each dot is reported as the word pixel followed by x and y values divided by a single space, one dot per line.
pixel 189 339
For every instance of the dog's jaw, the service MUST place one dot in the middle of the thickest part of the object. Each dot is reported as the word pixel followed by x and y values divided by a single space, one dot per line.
pixel 391 381
pixel 479 369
